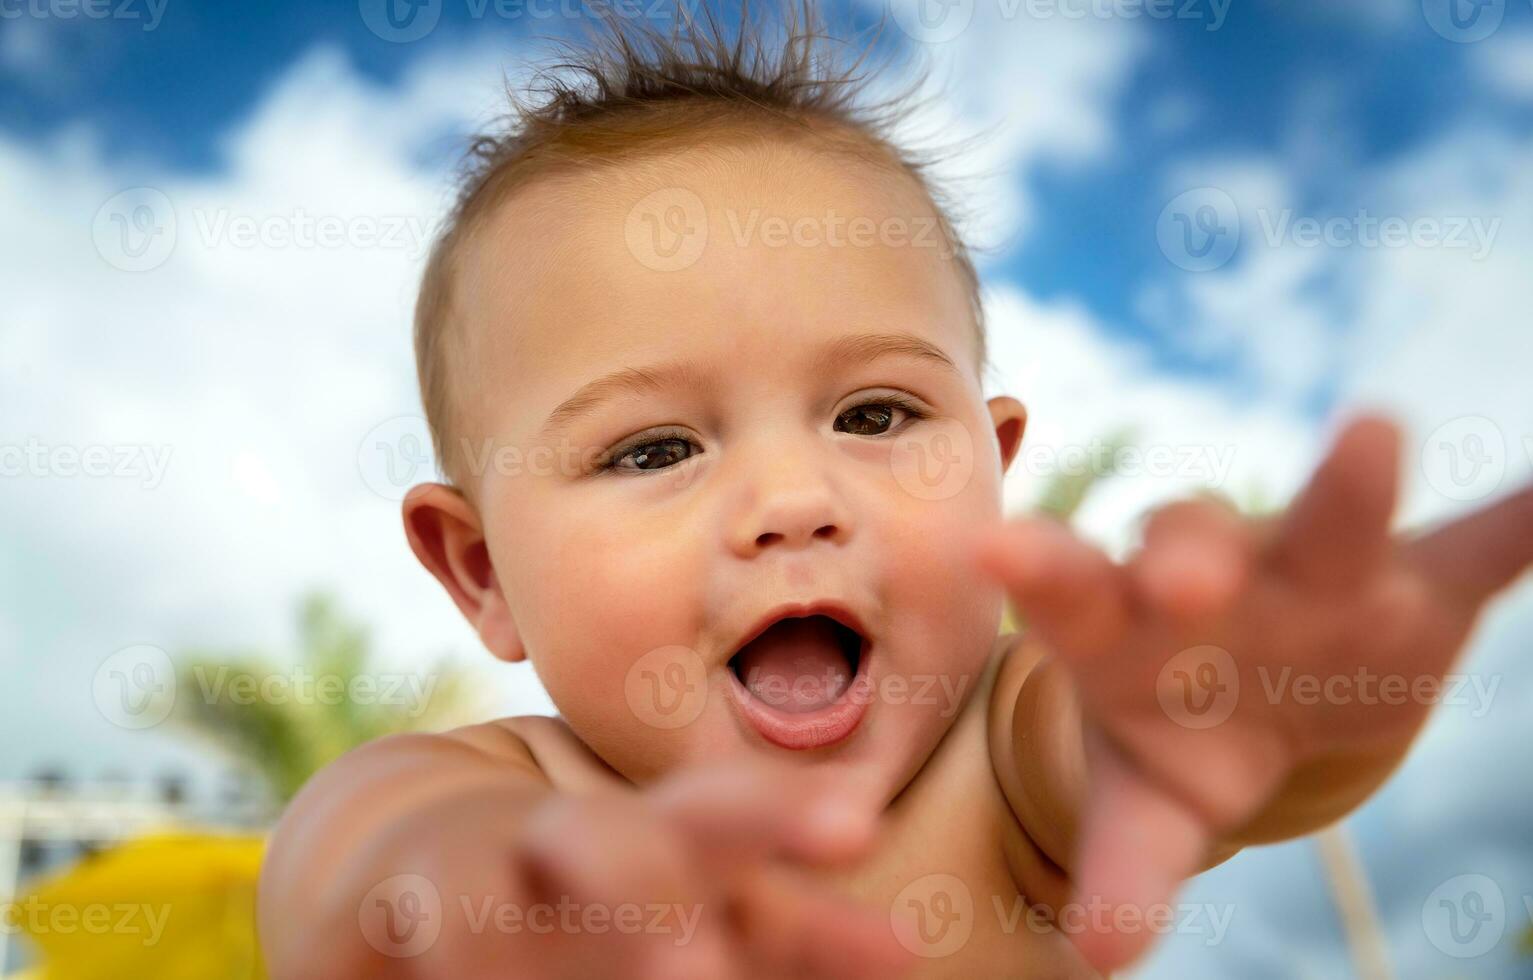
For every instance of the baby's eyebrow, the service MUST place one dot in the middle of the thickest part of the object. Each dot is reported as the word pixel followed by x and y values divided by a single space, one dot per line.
pixel 634 380
pixel 851 349
pixel 863 347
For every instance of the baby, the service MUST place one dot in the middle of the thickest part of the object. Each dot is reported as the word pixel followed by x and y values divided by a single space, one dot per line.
pixel 702 354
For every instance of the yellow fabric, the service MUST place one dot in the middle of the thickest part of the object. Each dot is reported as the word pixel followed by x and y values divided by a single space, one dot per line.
pixel 175 906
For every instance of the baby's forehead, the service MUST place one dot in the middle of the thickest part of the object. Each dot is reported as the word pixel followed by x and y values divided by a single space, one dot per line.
pixel 710 246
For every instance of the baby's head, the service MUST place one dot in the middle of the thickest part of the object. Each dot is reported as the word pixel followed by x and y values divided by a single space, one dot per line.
pixel 700 350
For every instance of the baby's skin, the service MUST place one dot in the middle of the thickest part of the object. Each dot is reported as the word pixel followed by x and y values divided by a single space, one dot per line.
pixel 706 469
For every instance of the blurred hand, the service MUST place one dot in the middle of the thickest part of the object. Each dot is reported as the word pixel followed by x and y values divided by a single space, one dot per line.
pixel 717 861
pixel 1210 614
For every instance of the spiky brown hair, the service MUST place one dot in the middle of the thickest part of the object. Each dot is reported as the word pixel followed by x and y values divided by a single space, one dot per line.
pixel 632 90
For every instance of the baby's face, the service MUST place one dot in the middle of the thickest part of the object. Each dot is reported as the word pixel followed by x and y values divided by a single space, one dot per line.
pixel 692 437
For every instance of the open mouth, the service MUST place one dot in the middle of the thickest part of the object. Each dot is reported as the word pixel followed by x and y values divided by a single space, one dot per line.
pixel 797 677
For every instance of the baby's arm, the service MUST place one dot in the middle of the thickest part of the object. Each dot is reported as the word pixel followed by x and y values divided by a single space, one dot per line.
pixel 486 844
pixel 383 810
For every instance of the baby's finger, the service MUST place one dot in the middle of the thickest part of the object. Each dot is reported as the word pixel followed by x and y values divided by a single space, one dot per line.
pixel 608 889
pixel 609 848
pixel 1337 532
pixel 1068 590
pixel 1479 555
pixel 1137 846
pixel 792 927
pixel 743 812
pixel 1196 558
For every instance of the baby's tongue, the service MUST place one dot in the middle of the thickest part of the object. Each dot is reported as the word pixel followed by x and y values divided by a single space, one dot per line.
pixel 796 665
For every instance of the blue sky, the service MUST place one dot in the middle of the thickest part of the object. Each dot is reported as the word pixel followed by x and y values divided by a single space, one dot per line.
pixel 1375 83
pixel 263 372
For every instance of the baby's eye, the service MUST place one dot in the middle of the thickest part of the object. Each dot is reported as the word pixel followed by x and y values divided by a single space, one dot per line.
pixel 656 454
pixel 874 418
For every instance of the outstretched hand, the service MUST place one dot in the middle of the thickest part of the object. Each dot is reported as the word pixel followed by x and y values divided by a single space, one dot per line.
pixel 1185 660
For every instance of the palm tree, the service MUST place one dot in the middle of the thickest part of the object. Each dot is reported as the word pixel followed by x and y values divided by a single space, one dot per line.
pixel 287 735
pixel 225 698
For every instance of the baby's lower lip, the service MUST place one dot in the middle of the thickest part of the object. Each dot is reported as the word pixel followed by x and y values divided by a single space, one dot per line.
pixel 814 729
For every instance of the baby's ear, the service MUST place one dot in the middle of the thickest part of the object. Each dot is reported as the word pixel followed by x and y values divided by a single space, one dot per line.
pixel 446 536
pixel 1010 419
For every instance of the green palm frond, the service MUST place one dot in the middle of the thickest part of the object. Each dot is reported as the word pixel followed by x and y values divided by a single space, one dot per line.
pixel 290 722
pixel 1066 492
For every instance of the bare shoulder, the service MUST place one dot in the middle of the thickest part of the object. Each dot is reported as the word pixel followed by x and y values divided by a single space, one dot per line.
pixel 1034 734
pixel 541 744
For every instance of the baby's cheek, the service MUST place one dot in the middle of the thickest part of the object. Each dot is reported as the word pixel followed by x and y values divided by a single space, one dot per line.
pixel 602 603
pixel 952 613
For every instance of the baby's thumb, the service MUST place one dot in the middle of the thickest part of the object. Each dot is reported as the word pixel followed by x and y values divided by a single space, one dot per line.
pixel 1137 846
pixel 746 812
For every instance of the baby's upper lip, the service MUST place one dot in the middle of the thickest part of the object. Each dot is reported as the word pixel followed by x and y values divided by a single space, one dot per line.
pixel 833 609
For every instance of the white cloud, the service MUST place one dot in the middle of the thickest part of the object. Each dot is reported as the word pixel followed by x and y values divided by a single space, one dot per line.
pixel 1081 386
pixel 259 369
pixel 1431 330
pixel 1441 333
pixel 1034 90
pixel 1506 64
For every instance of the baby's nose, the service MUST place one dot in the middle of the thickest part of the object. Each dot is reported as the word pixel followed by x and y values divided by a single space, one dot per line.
pixel 791 518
